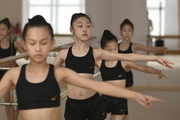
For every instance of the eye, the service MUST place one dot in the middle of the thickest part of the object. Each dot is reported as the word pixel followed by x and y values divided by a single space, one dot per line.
pixel 31 43
pixel 80 26
pixel 44 43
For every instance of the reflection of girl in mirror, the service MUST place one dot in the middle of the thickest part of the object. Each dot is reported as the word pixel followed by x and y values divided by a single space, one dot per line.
pixel 126 46
pixel 8 48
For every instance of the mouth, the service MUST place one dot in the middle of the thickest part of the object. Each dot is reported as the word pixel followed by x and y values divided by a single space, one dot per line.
pixel 85 35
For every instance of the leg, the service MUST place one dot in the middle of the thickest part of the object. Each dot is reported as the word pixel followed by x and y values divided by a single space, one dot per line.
pixel 116 117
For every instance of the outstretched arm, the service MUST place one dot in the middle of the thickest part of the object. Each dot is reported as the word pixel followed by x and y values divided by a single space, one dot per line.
pixel 147 69
pixel 140 47
pixel 106 55
pixel 104 88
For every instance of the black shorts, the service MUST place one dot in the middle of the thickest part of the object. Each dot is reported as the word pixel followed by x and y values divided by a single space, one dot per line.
pixel 115 106
pixel 2 72
pixel 129 79
pixel 87 109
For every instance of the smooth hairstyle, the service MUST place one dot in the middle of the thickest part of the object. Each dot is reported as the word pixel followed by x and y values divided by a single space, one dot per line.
pixel 75 16
pixel 6 22
pixel 126 22
pixel 107 37
pixel 37 21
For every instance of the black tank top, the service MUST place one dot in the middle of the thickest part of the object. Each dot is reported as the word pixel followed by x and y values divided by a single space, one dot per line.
pixel 113 73
pixel 37 95
pixel 11 51
pixel 129 50
pixel 83 64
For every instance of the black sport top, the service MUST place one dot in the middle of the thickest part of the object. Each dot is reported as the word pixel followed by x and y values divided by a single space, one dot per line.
pixel 83 64
pixel 45 94
pixel 112 73
pixel 129 50
pixel 10 51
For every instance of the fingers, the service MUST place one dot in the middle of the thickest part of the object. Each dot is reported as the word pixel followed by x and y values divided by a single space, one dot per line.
pixel 150 99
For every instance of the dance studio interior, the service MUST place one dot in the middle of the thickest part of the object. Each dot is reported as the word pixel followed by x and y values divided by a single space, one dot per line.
pixel 156 24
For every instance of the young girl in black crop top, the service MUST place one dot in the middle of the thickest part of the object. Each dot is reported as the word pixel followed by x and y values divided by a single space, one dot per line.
pixel 8 48
pixel 114 72
pixel 76 107
pixel 126 46
pixel 38 83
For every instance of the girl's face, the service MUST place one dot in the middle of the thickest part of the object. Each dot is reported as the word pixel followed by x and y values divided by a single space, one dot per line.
pixel 4 31
pixel 111 47
pixel 38 43
pixel 126 32
pixel 81 29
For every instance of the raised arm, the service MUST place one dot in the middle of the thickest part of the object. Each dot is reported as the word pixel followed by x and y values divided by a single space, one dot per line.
pixel 104 88
pixel 106 55
pixel 140 47
pixel 147 69
pixel 20 49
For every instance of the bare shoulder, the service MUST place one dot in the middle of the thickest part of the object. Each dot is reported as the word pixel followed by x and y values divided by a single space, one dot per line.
pixel 13 73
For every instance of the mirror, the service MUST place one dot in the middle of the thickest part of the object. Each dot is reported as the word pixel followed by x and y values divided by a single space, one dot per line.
pixel 8 9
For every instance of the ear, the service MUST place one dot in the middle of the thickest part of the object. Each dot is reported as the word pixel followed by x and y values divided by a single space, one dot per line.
pixel 24 45
pixel 52 44
pixel 71 30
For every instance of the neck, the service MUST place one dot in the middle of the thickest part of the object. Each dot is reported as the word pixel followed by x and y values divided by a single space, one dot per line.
pixel 126 41
pixel 34 66
pixel 4 39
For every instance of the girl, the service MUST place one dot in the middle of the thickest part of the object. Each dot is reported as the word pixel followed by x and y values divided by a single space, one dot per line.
pixel 126 46
pixel 8 48
pixel 83 103
pixel 38 83
pixel 114 72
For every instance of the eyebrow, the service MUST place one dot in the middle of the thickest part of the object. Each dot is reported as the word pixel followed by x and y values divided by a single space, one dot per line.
pixel 81 22
pixel 35 40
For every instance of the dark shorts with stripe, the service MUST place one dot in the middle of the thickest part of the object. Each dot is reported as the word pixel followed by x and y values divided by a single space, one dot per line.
pixel 88 109
pixel 115 106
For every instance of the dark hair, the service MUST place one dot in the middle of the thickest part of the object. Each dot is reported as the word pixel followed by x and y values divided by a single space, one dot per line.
pixel 126 22
pixel 107 37
pixel 37 21
pixel 6 22
pixel 75 16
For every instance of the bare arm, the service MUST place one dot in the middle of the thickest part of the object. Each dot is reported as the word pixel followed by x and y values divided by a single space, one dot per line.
pixel 106 55
pixel 140 47
pixel 146 69
pixel 20 49
pixel 104 88
pixel 59 60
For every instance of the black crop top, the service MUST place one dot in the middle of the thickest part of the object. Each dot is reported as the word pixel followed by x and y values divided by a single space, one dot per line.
pixel 37 95
pixel 113 73
pixel 129 50
pixel 10 51
pixel 83 64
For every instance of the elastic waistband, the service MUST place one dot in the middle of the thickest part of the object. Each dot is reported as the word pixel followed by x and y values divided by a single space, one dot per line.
pixel 95 96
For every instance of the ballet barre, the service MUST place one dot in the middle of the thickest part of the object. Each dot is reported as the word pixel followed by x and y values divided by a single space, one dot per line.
pixel 26 54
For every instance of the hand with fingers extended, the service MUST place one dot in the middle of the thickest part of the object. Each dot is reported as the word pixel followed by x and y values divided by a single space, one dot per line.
pixel 165 62
pixel 160 74
pixel 146 100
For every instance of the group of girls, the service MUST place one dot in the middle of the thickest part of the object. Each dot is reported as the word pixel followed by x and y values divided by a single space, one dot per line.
pixel 38 83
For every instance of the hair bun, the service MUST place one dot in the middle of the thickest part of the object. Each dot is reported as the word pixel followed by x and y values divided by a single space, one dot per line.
pixel 37 18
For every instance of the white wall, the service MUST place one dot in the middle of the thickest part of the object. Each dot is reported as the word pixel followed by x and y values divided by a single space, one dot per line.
pixel 172 23
pixel 108 14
